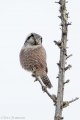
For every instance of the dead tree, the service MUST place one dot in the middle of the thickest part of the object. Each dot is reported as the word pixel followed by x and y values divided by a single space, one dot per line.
pixel 62 44
pixel 63 67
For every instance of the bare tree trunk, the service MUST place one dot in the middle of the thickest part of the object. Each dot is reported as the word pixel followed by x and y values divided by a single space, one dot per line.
pixel 63 54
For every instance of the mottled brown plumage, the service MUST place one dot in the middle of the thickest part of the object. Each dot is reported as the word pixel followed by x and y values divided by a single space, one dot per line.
pixel 33 58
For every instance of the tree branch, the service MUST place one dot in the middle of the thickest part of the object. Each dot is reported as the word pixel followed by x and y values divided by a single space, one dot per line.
pixel 73 100
pixel 68 67
pixel 68 56
pixel 44 88
pixel 57 2
pixel 58 43
pixel 67 103
pixel 67 81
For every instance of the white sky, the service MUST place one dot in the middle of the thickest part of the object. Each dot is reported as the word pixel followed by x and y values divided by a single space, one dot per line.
pixel 19 95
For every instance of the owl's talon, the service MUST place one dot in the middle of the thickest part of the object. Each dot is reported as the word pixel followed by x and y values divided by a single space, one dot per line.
pixel 44 88
pixel 35 80
pixel 33 75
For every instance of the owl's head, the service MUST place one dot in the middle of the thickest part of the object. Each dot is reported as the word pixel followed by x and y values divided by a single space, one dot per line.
pixel 33 39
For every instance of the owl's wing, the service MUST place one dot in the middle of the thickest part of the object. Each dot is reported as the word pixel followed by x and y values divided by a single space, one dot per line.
pixel 46 70
pixel 44 56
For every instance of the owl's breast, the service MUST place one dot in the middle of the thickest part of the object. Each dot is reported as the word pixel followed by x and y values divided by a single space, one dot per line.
pixel 31 58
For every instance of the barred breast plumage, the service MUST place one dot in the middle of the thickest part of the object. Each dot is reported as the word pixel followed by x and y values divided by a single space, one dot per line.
pixel 33 57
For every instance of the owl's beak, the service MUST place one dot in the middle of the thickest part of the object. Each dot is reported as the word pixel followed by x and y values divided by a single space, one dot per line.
pixel 36 42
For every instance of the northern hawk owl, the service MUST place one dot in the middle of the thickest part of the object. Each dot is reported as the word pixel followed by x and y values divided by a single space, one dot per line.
pixel 33 58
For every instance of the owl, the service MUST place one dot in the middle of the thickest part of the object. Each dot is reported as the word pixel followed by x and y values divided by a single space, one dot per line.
pixel 33 58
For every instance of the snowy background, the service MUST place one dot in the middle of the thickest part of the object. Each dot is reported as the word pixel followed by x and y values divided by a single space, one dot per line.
pixel 19 95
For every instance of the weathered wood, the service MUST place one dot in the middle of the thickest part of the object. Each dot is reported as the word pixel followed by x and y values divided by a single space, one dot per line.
pixel 62 61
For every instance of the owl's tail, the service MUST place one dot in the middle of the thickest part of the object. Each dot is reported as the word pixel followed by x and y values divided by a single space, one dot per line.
pixel 46 80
